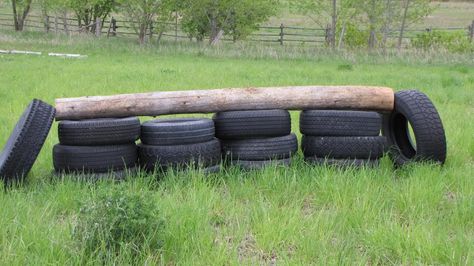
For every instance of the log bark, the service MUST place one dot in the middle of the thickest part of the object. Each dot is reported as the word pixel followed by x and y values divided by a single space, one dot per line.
pixel 208 101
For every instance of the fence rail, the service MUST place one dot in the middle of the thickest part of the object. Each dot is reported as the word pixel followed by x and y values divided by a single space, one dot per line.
pixel 282 34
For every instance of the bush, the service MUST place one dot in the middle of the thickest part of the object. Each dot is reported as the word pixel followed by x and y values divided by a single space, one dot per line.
pixel 353 36
pixel 455 41
pixel 116 220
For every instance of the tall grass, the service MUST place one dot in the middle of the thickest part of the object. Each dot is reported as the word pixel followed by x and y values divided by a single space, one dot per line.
pixel 304 214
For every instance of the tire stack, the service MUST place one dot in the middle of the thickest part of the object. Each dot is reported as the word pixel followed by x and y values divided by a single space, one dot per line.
pixel 343 138
pixel 254 139
pixel 178 143
pixel 97 146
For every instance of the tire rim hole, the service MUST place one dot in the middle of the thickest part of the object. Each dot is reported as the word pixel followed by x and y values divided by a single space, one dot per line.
pixel 404 136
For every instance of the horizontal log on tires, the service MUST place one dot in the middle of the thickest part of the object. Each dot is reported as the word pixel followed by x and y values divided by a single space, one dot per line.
pixel 232 99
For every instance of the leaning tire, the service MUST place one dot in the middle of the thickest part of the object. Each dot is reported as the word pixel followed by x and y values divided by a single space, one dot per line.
pixel 102 131
pixel 94 159
pixel 252 124
pixel 24 144
pixel 340 123
pixel 203 154
pixel 177 131
pixel 260 149
pixel 344 147
pixel 416 108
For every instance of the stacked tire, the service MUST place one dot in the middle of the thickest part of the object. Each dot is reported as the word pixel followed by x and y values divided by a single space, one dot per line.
pixel 97 146
pixel 344 138
pixel 255 139
pixel 179 143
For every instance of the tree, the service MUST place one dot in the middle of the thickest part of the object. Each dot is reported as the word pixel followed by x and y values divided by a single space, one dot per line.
pixel 21 8
pixel 89 11
pixel 339 11
pixel 413 11
pixel 214 18
pixel 142 14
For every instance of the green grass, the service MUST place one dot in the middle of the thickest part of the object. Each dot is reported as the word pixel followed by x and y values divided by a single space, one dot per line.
pixel 419 214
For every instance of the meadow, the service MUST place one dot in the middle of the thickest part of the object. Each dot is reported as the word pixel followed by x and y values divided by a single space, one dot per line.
pixel 419 214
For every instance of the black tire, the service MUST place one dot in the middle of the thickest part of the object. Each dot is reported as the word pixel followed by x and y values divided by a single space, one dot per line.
pixel 252 124
pixel 94 159
pixel 255 165
pixel 102 131
pixel 340 123
pixel 344 147
pixel 260 149
pixel 25 142
pixel 202 154
pixel 416 108
pixel 177 131
pixel 342 162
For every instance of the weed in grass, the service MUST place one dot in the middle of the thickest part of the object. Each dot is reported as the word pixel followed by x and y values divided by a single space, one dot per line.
pixel 114 220
pixel 346 67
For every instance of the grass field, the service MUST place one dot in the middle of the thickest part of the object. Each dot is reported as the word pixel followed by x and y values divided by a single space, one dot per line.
pixel 419 214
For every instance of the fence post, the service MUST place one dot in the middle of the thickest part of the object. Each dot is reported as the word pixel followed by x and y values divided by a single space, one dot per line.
pixel 471 32
pixel 98 26
pixel 110 26
pixel 46 23
pixel 282 33
pixel 327 35
pixel 114 27
pixel 56 24
pixel 176 27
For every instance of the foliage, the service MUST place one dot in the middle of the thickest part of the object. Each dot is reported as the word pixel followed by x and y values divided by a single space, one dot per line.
pixel 206 18
pixel 142 14
pixel 114 220
pixel 353 36
pixel 455 41
pixel 88 11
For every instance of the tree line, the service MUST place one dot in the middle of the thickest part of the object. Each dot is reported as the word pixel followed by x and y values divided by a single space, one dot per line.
pixel 349 22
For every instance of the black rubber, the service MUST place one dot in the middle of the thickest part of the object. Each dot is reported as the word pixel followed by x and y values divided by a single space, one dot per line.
pixel 255 165
pixel 202 154
pixel 344 147
pixel 252 124
pixel 416 108
pixel 102 131
pixel 342 162
pixel 94 159
pixel 260 149
pixel 25 142
pixel 177 131
pixel 340 123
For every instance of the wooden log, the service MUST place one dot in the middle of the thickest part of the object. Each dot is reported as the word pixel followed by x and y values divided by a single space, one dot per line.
pixel 208 101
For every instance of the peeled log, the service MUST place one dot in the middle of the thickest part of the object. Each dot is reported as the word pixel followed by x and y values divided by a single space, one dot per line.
pixel 209 101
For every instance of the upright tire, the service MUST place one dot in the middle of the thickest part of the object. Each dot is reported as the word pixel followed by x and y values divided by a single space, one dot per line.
pixel 343 147
pixel 340 123
pixel 177 131
pixel 260 149
pixel 94 159
pixel 204 154
pixel 415 108
pixel 252 124
pixel 102 131
pixel 25 142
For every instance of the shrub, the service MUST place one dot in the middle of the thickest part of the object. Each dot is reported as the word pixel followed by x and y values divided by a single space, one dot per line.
pixel 116 220
pixel 455 41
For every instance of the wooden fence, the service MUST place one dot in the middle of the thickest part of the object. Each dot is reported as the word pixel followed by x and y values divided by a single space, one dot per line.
pixel 167 30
